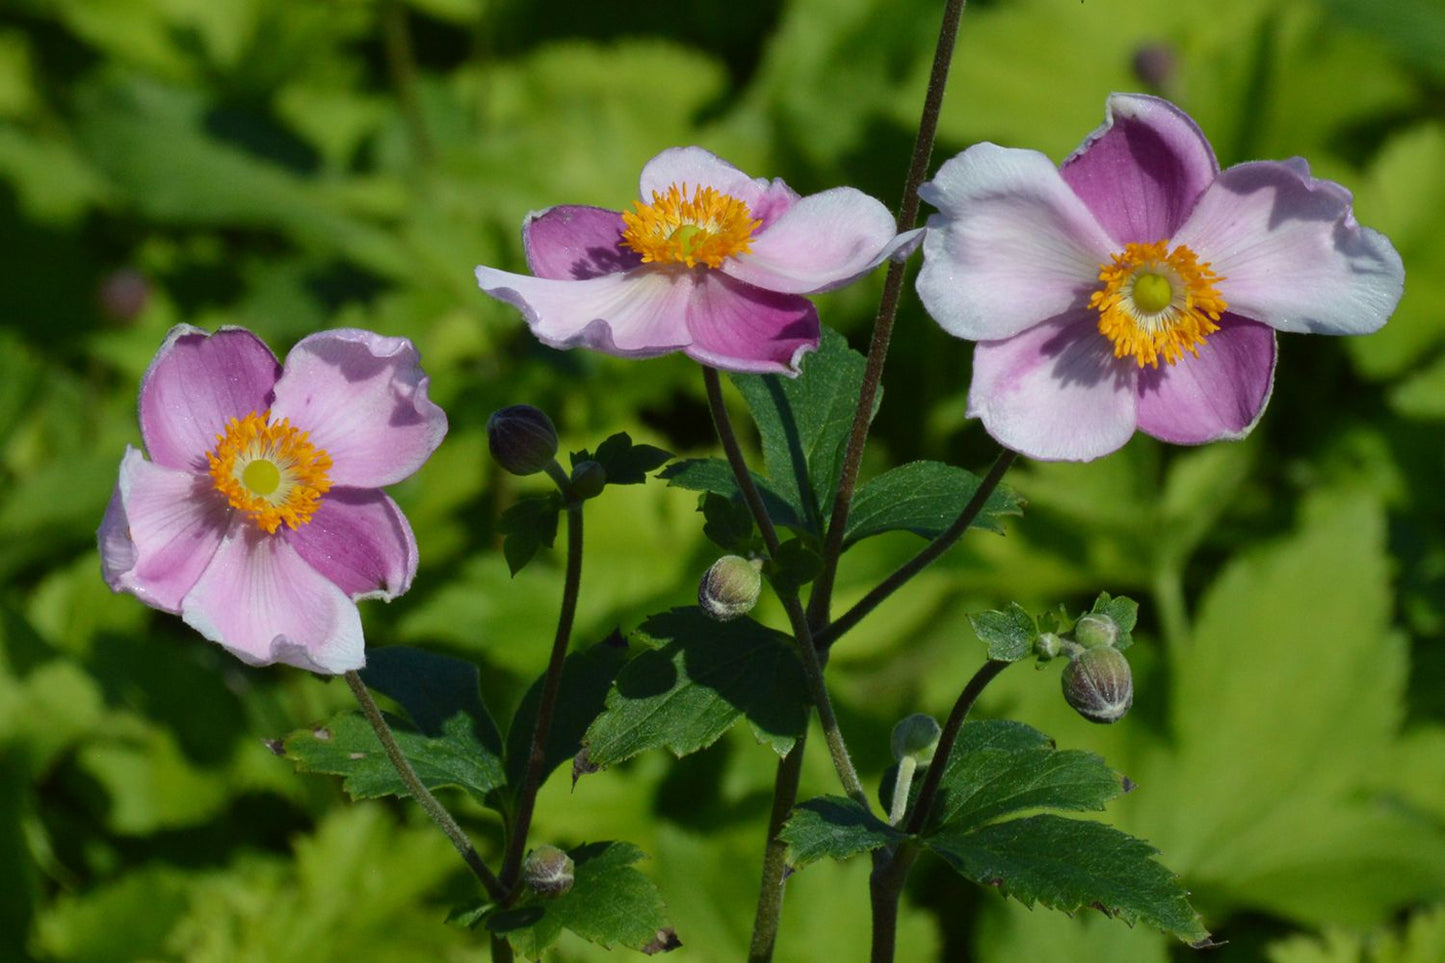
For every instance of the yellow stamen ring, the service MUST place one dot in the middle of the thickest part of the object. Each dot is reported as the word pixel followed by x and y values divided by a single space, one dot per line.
pixel 270 471
pixel 706 228
pixel 1157 302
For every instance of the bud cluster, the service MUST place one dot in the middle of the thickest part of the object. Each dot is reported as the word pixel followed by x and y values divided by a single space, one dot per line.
pixel 1097 682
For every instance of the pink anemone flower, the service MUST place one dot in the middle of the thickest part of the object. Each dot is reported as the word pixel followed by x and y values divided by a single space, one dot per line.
pixel 259 517
pixel 1137 286
pixel 710 262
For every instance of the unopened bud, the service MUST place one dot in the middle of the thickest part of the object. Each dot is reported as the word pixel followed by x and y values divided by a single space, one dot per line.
pixel 1048 646
pixel 916 737
pixel 588 479
pixel 548 872
pixel 522 438
pixel 730 588
pixel 1095 630
pixel 1099 685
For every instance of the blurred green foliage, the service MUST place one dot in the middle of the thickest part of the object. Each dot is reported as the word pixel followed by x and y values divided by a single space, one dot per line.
pixel 292 166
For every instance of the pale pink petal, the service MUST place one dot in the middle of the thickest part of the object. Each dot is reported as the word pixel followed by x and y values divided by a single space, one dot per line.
pixel 775 201
pixel 638 314
pixel 160 531
pixel 573 243
pixel 363 399
pixel 360 540
pixel 824 241
pixel 1011 246
pixel 196 383
pixel 1141 172
pixel 741 328
pixel 264 604
pixel 1055 392
pixel 1219 394
pixel 1290 251
pixel 695 167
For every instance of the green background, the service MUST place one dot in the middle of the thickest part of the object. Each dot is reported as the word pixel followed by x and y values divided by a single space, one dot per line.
pixel 290 166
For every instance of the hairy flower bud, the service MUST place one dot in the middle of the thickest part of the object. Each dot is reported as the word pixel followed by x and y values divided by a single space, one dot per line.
pixel 730 588
pixel 916 737
pixel 1095 630
pixel 1099 685
pixel 522 438
pixel 548 872
pixel 588 479
pixel 1048 646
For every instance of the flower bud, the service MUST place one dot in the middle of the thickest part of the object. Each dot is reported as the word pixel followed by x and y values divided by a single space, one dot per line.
pixel 1095 630
pixel 730 588
pixel 916 736
pixel 548 872
pixel 1048 646
pixel 522 438
pixel 1098 684
pixel 588 479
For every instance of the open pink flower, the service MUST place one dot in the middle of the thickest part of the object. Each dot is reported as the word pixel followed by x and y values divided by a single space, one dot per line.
pixel 710 262
pixel 259 518
pixel 1138 286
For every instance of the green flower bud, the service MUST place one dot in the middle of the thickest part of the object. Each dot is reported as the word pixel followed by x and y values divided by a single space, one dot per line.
pixel 548 872
pixel 1048 646
pixel 522 438
pixel 916 737
pixel 731 587
pixel 588 479
pixel 1099 685
pixel 1096 629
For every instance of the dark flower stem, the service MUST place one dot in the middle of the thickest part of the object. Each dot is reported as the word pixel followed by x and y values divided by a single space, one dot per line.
pixel 924 558
pixel 887 312
pixel 420 792
pixel 775 856
pixel 537 759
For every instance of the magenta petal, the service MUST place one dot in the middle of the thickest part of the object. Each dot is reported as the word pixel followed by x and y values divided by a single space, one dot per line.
pixel 572 243
pixel 264 604
pixel 196 383
pixel 361 541
pixel 824 241
pixel 1290 252
pixel 1219 394
pixel 695 167
pixel 362 398
pixel 1011 247
pixel 1141 172
pixel 637 314
pixel 160 531
pixel 741 328
pixel 1055 392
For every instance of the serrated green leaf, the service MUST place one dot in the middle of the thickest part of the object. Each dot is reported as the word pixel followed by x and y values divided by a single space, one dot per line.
pixel 610 903
pixel 626 463
pixel 1009 635
pixel 586 679
pixel 1125 613
pixel 923 497
pixel 999 768
pixel 528 525
pixel 346 746
pixel 803 423
pixel 834 827
pixel 705 675
pixel 1069 864
pixel 715 475
pixel 432 688
pixel 727 523
pixel 796 564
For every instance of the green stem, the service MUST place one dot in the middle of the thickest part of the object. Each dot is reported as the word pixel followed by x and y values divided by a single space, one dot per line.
pixel 923 559
pixel 552 684
pixel 887 313
pixel 907 766
pixel 501 949
pixel 775 856
pixel 420 792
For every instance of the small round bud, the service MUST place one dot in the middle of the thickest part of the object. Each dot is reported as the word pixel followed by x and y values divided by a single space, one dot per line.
pixel 730 588
pixel 522 438
pixel 588 479
pixel 548 872
pixel 916 737
pixel 1048 646
pixel 1095 630
pixel 1098 684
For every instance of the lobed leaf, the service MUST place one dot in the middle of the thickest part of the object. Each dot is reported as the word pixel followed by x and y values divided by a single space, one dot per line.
pixel 1009 635
pixel 624 462
pixel 716 475
pixel 924 497
pixel 528 525
pixel 834 827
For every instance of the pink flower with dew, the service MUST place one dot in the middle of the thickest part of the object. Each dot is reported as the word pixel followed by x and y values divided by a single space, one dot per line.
pixel 710 262
pixel 259 517
pixel 1137 286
